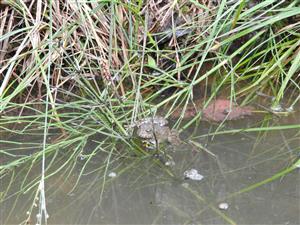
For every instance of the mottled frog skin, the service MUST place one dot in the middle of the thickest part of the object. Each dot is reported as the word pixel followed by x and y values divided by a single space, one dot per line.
pixel 155 130
pixel 152 120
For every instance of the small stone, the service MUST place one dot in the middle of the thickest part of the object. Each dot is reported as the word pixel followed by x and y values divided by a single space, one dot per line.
pixel 170 163
pixel 193 175
pixel 112 174
pixel 223 206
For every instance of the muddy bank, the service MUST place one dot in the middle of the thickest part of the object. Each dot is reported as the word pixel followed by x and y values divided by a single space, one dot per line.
pixel 217 111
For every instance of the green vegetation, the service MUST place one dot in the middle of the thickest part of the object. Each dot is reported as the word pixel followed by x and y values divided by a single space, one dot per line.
pixel 76 70
pixel 97 67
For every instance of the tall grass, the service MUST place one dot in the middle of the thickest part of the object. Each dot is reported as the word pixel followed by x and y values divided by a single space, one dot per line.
pixel 102 58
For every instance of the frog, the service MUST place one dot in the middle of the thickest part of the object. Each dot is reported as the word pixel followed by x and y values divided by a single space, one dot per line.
pixel 155 131
pixel 159 120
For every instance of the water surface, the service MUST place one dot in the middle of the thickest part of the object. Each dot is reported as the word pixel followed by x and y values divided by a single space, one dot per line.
pixel 147 192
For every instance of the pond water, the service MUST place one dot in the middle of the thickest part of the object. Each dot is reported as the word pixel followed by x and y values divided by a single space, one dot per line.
pixel 146 192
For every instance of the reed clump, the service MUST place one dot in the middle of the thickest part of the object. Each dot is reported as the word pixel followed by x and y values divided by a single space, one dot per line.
pixel 96 67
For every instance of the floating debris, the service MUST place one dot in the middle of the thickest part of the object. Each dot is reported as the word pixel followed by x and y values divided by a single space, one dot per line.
pixel 112 174
pixel 192 174
pixel 277 108
pixel 170 163
pixel 290 109
pixel 223 206
pixel 81 157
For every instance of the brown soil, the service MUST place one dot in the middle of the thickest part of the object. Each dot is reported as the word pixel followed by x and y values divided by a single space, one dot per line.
pixel 217 111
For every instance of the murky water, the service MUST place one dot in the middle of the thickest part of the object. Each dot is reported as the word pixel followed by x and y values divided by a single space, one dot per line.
pixel 147 192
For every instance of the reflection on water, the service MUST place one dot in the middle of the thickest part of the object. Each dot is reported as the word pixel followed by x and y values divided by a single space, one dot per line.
pixel 145 192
